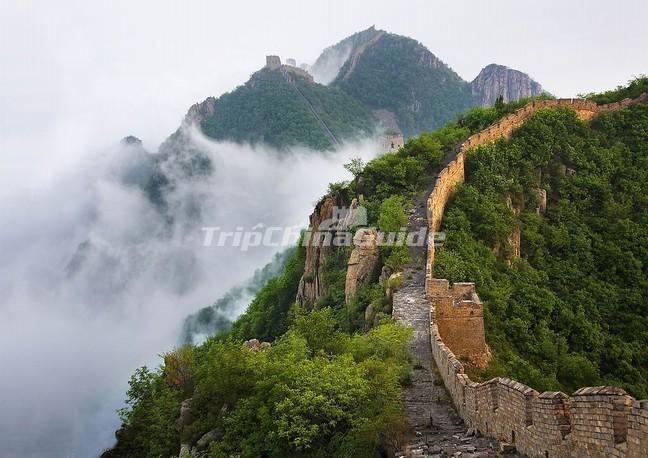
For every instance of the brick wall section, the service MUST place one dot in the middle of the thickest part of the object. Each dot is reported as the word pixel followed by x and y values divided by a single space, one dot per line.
pixel 637 427
pixel 595 421
pixel 460 319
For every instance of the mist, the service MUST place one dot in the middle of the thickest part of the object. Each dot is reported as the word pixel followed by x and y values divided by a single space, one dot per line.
pixel 95 281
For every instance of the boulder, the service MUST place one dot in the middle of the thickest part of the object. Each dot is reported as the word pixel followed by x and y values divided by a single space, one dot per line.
pixel 208 438
pixel 185 451
pixel 385 273
pixel 256 345
pixel 370 316
pixel 393 284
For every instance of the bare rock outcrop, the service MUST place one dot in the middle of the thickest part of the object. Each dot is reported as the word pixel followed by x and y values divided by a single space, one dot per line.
pixel 362 262
pixel 256 345
pixel 311 285
pixel 185 414
pixel 542 201
pixel 329 226
pixel 495 80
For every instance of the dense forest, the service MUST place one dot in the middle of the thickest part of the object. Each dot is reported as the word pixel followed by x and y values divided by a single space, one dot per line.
pixel 571 310
pixel 401 75
pixel 270 110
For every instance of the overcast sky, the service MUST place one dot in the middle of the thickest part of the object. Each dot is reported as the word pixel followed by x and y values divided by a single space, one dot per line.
pixel 79 72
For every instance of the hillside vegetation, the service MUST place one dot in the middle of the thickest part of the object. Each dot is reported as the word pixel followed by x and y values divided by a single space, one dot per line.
pixel 401 75
pixel 571 311
pixel 268 109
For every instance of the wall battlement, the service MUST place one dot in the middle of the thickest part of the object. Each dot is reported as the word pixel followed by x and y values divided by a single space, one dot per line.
pixel 594 421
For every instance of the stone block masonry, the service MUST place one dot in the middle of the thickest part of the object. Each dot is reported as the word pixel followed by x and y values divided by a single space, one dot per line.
pixel 459 316
pixel 594 421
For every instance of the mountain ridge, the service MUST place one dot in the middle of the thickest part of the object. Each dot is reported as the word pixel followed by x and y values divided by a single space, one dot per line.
pixel 373 70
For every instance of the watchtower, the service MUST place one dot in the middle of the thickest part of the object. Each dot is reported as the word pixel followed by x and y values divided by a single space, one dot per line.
pixel 459 315
pixel 273 62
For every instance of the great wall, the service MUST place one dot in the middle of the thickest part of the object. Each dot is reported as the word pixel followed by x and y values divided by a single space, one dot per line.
pixel 448 321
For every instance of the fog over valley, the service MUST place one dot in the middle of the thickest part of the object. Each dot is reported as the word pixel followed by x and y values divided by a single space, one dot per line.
pixel 95 281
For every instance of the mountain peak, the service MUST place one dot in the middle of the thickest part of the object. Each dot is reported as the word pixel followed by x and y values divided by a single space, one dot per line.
pixel 328 64
pixel 495 80
pixel 131 140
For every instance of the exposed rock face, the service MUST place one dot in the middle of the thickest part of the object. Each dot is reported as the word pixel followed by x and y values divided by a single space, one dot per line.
pixel 185 414
pixel 515 238
pixel 329 222
pixel 256 345
pixel 131 140
pixel 542 201
pixel 311 286
pixel 362 262
pixel 495 80
pixel 208 438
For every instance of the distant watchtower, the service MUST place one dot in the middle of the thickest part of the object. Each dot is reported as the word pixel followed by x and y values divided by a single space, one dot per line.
pixel 273 62
pixel 392 141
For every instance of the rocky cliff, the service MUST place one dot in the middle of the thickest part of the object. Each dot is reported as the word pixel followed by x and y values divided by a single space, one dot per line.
pixel 495 80
pixel 312 285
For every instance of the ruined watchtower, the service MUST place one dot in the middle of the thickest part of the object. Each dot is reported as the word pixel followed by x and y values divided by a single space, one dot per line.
pixel 459 315
pixel 273 62
pixel 392 141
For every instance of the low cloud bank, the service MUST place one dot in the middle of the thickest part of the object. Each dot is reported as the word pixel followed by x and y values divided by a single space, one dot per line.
pixel 95 280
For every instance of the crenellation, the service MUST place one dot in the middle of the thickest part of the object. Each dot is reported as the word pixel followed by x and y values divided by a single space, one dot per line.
pixel 595 421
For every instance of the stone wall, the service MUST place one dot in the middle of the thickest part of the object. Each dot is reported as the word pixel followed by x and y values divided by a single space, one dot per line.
pixel 447 180
pixel 460 319
pixel 595 421
pixel 290 70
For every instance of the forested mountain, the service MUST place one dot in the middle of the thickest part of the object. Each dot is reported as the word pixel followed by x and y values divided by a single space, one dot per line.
pixel 219 317
pixel 365 77
pixel 283 109
pixel 400 75
pixel 328 64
